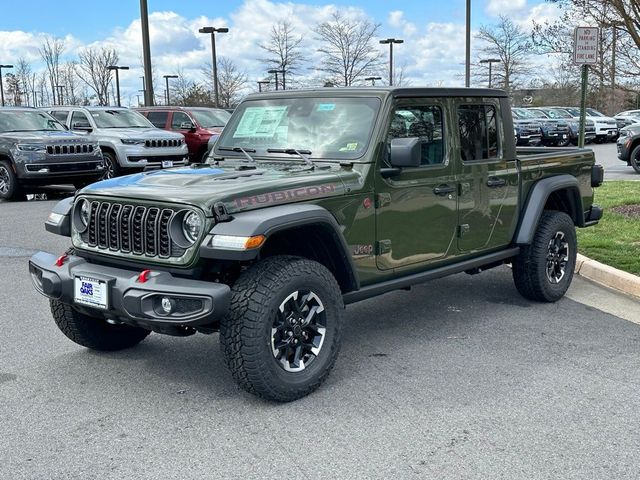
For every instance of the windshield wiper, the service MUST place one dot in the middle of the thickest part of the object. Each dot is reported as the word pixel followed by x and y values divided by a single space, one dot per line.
pixel 240 149
pixel 303 154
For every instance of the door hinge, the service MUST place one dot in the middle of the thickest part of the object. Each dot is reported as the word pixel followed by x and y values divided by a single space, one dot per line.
pixel 383 199
pixel 463 229
pixel 383 246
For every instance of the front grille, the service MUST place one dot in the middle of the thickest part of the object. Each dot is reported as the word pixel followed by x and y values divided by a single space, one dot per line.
pixel 129 229
pixel 69 149
pixel 163 143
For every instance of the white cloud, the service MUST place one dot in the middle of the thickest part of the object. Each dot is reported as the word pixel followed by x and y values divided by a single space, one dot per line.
pixel 396 18
pixel 505 7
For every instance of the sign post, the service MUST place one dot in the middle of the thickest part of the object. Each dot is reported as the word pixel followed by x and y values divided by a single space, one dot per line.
pixel 585 53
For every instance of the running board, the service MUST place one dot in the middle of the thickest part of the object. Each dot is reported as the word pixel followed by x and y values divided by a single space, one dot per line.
pixel 405 282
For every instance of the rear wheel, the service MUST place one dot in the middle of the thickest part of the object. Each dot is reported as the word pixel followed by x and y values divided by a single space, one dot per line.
pixel 111 167
pixel 543 270
pixel 95 333
pixel 9 188
pixel 634 159
pixel 282 335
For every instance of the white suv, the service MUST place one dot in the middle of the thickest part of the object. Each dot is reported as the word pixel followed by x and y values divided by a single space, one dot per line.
pixel 127 139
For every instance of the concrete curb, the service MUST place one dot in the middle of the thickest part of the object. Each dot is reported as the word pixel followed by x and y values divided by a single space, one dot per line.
pixel 608 276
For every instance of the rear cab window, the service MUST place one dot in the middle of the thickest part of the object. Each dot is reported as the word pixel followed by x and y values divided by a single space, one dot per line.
pixel 479 132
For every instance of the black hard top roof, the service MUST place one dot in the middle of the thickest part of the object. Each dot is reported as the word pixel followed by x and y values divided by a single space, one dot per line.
pixel 398 92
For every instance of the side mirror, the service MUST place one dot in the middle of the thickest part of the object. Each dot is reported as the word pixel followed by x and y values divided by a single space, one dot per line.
pixel 82 126
pixel 406 152
pixel 186 126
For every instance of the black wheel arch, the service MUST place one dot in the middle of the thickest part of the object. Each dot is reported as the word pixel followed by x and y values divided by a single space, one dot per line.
pixel 304 230
pixel 560 192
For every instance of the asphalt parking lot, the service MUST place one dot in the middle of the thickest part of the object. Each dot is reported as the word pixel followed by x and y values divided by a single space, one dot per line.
pixel 459 378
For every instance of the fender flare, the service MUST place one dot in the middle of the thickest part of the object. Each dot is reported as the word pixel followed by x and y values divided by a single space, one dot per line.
pixel 537 199
pixel 268 221
pixel 63 227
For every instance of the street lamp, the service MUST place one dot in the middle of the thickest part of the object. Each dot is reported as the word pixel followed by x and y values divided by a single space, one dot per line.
pixel 146 54
pixel 467 59
pixel 276 72
pixel 490 61
pixel 372 80
pixel 391 41
pixel 262 82
pixel 1 86
pixel 212 31
pixel 116 68
pixel 166 79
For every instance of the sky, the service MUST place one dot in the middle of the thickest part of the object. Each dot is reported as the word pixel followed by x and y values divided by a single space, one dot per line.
pixel 433 30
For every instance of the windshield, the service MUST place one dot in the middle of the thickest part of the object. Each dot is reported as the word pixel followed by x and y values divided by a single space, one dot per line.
pixel 558 113
pixel 28 121
pixel 211 118
pixel 573 111
pixel 119 119
pixel 526 114
pixel 594 113
pixel 329 128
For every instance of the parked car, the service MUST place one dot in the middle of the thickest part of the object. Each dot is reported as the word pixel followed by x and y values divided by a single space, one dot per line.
pixel 606 127
pixel 554 132
pixel 315 199
pixel 628 146
pixel 200 126
pixel 629 117
pixel 574 124
pixel 36 150
pixel 129 142
pixel 528 130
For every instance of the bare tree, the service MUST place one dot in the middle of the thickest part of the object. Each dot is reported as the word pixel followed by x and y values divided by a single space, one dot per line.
pixel 23 73
pixel 283 51
pixel 348 51
pixel 231 82
pixel 512 45
pixel 51 51
pixel 92 70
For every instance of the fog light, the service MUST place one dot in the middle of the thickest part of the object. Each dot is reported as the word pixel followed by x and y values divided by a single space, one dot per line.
pixel 167 305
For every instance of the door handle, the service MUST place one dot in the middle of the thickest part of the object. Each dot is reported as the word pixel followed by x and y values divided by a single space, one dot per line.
pixel 494 182
pixel 444 189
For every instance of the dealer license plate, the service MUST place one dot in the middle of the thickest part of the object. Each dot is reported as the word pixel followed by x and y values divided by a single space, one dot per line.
pixel 92 292
pixel 167 163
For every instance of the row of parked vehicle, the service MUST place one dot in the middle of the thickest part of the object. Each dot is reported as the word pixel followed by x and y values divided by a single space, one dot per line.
pixel 79 145
pixel 559 126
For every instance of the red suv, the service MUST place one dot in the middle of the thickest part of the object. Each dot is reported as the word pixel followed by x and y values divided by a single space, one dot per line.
pixel 201 126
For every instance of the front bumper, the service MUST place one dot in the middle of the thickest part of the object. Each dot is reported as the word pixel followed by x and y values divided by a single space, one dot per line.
pixel 130 300
pixel 139 156
pixel 606 131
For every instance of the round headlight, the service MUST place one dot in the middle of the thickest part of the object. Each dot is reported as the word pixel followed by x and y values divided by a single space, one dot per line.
pixel 192 226
pixel 85 210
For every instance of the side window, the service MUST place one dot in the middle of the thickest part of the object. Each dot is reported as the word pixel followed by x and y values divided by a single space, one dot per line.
pixel 159 119
pixel 79 117
pixel 60 115
pixel 478 132
pixel 423 122
pixel 178 119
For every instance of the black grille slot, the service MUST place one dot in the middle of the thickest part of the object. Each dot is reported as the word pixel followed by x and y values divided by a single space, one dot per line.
pixel 150 231
pixel 101 233
pixel 113 225
pixel 92 224
pixel 136 230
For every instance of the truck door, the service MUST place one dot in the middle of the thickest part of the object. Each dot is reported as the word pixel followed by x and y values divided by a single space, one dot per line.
pixel 416 207
pixel 487 175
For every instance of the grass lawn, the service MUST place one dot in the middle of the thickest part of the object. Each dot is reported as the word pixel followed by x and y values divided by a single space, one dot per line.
pixel 615 240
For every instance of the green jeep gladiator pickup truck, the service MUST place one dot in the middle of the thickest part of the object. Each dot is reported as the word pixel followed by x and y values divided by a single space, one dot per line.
pixel 311 200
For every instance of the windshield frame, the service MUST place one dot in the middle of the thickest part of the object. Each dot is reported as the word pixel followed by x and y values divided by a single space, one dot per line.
pixel 23 113
pixel 226 137
pixel 96 113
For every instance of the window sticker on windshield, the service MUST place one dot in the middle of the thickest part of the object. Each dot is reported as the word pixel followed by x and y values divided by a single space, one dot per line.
pixel 350 147
pixel 260 122
pixel 326 107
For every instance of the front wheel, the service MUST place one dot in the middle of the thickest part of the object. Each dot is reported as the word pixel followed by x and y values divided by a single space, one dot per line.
pixel 282 334
pixel 9 189
pixel 111 167
pixel 564 142
pixel 95 333
pixel 634 159
pixel 544 269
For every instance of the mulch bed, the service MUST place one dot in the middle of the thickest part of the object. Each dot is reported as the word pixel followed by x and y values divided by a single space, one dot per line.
pixel 629 211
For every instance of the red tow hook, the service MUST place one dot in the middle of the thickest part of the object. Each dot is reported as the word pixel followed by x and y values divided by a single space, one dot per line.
pixel 144 276
pixel 61 259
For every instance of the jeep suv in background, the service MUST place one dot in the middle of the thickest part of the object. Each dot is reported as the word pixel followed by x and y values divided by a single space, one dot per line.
pixel 629 117
pixel 606 127
pixel 574 124
pixel 36 150
pixel 201 126
pixel 554 132
pixel 528 130
pixel 628 146
pixel 129 142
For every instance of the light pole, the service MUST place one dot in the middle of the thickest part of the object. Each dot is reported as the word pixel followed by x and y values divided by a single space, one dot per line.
pixel 490 61
pixel 467 60
pixel 146 54
pixel 116 68
pixel 212 31
pixel 262 82
pixel 166 79
pixel 391 41
pixel 276 72
pixel 1 85
pixel 372 80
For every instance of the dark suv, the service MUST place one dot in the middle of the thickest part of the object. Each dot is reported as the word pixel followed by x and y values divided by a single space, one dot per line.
pixel 201 126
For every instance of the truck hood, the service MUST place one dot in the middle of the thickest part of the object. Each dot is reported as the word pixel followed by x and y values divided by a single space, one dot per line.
pixel 43 136
pixel 238 188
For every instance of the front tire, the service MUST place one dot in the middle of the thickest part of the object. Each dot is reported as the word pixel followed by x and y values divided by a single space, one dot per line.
pixel 111 167
pixel 543 270
pixel 282 334
pixel 9 188
pixel 95 333
pixel 634 159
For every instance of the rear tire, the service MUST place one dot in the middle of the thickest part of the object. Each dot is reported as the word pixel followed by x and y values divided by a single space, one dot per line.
pixel 282 334
pixel 95 333
pixel 9 189
pixel 543 270
pixel 111 167
pixel 634 159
